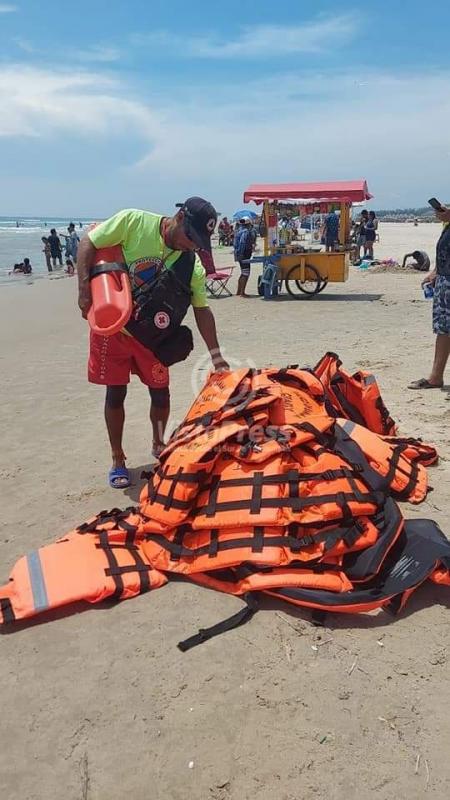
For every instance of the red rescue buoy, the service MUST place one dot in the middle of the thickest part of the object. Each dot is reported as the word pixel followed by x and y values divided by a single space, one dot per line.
pixel 111 294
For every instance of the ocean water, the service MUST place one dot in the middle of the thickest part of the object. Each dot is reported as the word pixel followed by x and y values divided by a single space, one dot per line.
pixel 20 237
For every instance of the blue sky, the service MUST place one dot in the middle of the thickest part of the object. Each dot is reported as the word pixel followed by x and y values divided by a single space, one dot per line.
pixel 116 104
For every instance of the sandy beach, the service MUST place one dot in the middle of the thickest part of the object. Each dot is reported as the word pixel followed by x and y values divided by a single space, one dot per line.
pixel 100 703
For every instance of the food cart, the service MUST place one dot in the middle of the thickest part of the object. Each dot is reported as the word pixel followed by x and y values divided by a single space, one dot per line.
pixel 304 266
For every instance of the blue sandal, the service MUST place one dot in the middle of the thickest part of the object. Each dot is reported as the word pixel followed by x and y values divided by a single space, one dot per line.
pixel 119 478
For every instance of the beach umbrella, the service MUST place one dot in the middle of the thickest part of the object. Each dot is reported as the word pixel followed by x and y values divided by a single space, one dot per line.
pixel 244 212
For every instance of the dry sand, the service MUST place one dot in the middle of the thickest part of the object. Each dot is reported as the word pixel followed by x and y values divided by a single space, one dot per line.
pixel 100 705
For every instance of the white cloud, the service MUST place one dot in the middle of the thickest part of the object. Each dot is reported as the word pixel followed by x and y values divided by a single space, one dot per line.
pixel 261 41
pixel 37 102
pixel 390 129
pixel 101 54
pixel 6 8
pixel 97 53
pixel 24 45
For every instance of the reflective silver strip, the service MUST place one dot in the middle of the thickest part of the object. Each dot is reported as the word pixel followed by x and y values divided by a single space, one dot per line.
pixel 348 425
pixel 37 581
pixel 370 379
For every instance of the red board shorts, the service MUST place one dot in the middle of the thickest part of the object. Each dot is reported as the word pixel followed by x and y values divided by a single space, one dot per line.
pixel 113 358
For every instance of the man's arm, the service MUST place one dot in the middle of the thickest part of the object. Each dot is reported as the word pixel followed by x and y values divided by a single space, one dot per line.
pixel 86 255
pixel 206 325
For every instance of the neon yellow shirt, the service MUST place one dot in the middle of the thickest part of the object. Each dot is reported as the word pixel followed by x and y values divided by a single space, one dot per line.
pixel 138 233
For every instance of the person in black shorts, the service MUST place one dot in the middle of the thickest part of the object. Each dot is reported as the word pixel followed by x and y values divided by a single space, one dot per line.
pixel 371 228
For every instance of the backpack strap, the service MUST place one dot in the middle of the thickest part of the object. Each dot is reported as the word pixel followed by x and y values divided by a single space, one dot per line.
pixel 183 268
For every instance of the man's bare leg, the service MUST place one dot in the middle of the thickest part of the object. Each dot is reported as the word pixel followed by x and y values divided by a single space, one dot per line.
pixel 159 417
pixel 441 354
pixel 115 420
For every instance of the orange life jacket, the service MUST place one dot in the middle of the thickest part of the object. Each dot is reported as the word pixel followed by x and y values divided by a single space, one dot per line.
pixel 389 468
pixel 264 488
pixel 356 397
pixel 90 567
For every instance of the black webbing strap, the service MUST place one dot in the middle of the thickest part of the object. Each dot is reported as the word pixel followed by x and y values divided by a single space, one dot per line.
pixel 7 610
pixel 387 420
pixel 374 498
pixel 174 480
pixel 210 509
pixel 214 543
pixel 116 515
pixel 294 490
pixel 323 438
pixel 284 376
pixel 255 500
pixel 258 540
pixel 346 447
pixel 113 565
pixel 413 478
pixel 257 480
pixel 178 541
pixel 115 571
pixel 229 624
pixel 111 266
pixel 350 411
pixel 394 464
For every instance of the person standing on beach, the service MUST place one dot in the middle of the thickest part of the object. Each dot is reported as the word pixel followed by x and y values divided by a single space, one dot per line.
pixel 47 252
pixel 361 236
pixel 151 245
pixel 243 249
pixel 331 231
pixel 55 247
pixel 440 280
pixel 371 228
pixel 72 241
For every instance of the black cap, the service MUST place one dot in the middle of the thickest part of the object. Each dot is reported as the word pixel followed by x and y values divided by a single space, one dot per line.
pixel 200 219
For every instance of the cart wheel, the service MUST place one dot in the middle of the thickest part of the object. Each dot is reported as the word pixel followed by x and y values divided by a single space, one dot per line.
pixel 322 285
pixel 310 286
pixel 260 286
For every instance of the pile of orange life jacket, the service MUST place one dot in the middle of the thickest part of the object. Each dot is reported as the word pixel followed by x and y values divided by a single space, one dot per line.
pixel 278 481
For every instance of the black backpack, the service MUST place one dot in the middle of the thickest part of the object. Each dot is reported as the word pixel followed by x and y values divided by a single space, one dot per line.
pixel 159 310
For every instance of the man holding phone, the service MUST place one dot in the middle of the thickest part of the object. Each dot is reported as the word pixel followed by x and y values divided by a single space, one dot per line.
pixel 440 280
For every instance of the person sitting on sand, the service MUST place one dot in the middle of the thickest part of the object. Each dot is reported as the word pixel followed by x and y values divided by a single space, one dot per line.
pixel 440 280
pixel 70 269
pixel 421 260
pixel 23 267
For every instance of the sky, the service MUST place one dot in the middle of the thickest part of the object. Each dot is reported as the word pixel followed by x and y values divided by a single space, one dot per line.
pixel 112 104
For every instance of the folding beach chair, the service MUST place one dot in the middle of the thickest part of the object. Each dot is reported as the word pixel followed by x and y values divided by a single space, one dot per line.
pixel 216 280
